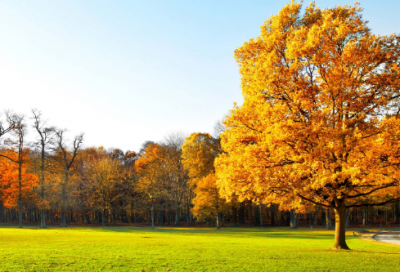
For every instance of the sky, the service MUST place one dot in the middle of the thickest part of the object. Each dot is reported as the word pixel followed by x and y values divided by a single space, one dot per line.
pixel 125 72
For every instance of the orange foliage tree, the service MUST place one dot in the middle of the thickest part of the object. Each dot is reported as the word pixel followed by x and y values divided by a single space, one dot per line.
pixel 9 185
pixel 150 168
pixel 320 119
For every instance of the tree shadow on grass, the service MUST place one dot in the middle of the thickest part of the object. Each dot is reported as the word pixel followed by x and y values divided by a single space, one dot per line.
pixel 278 234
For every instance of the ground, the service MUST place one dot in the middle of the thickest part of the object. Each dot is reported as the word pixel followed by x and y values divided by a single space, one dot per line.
pixel 191 249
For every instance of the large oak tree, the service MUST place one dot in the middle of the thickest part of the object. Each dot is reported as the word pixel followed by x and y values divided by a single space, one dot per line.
pixel 320 119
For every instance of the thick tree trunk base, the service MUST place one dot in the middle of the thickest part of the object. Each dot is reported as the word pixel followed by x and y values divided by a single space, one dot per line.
pixel 339 247
pixel 340 230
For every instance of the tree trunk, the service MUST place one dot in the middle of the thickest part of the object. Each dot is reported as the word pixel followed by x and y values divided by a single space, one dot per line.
pixel 189 218
pixel 43 218
pixel 168 213
pixel 114 217
pixel 261 216
pixel 373 216
pixel 1 212
pixel 234 214
pixel 160 217
pixel 177 216
pixel 218 220
pixel 396 213
pixel 64 200
pixel 386 216
pixel 103 221
pixel 87 218
pixel 272 216
pixel 152 213
pixel 328 219
pixel 340 228
pixel 63 216
pixel 365 216
pixel 241 213
pixel 292 220
pixel 19 189
pixel 133 212
pixel 43 213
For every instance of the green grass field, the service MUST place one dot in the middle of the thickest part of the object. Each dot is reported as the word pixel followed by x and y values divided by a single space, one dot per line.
pixel 180 249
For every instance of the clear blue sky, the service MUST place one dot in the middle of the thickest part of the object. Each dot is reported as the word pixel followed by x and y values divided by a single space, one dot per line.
pixel 124 72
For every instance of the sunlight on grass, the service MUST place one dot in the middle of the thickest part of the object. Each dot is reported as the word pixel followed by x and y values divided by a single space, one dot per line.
pixel 187 249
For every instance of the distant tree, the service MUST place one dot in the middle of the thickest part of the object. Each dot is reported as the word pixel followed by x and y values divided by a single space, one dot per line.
pixel 218 128
pixel 151 175
pixel 12 121
pixel 208 203
pixel 103 175
pixel 176 176
pixel 17 127
pixel 198 153
pixel 45 141
pixel 16 182
pixel 320 118
pixel 66 157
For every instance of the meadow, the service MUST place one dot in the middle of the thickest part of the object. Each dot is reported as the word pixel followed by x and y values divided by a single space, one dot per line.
pixel 187 249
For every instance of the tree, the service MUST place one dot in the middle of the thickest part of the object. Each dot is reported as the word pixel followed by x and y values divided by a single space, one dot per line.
pixel 320 119
pixel 16 182
pixel 11 123
pixel 177 176
pixel 199 152
pixel 102 174
pixel 46 139
pixel 151 175
pixel 208 203
pixel 17 127
pixel 66 158
pixel 219 128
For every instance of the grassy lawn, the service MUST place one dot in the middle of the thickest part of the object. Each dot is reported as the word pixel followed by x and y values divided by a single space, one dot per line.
pixel 179 249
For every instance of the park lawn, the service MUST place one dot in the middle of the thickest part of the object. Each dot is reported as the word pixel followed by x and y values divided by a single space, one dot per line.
pixel 187 249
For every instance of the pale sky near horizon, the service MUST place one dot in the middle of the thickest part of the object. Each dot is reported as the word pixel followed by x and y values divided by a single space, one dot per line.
pixel 124 72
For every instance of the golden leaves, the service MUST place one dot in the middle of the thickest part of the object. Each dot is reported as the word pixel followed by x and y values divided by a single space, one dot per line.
pixel 316 89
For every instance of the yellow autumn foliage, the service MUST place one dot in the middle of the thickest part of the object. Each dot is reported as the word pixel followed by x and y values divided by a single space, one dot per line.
pixel 320 119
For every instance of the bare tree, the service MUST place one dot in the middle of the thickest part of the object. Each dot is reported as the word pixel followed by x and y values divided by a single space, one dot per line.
pixel 175 139
pixel 219 128
pixel 11 120
pixel 176 175
pixel 46 139
pixel 68 156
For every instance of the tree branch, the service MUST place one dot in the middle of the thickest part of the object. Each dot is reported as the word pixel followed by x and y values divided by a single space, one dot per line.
pixel 374 204
pixel 314 202
pixel 373 190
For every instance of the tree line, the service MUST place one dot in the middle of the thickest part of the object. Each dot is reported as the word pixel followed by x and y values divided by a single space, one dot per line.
pixel 54 181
